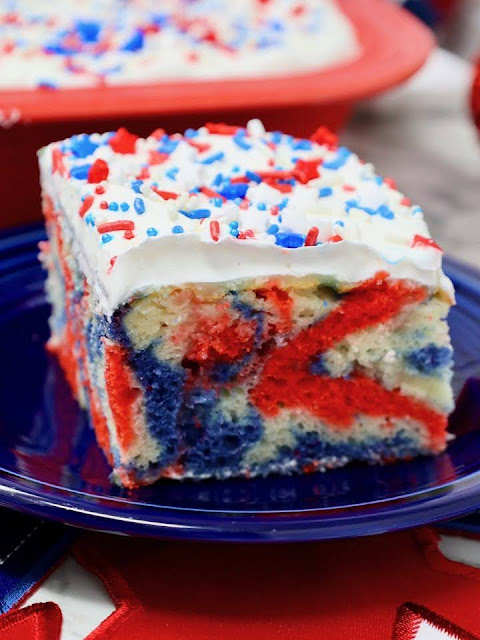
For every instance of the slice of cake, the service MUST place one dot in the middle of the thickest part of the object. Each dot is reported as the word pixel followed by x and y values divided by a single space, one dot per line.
pixel 234 302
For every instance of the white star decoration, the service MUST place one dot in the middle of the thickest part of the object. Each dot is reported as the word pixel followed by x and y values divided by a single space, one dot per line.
pixel 414 622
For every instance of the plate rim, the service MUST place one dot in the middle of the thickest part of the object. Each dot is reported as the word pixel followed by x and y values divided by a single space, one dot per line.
pixel 75 507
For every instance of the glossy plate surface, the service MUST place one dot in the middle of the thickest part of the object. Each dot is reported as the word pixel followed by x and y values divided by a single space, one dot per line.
pixel 50 464
pixel 393 43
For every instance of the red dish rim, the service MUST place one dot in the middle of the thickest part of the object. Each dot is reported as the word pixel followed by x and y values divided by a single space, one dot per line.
pixel 394 45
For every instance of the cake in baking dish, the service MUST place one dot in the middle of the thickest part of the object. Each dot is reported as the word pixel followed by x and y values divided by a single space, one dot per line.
pixel 88 43
pixel 230 302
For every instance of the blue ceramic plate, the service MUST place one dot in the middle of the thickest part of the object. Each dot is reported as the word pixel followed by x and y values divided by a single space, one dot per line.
pixel 50 464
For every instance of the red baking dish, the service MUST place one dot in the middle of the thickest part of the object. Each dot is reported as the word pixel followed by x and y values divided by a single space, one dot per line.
pixel 393 46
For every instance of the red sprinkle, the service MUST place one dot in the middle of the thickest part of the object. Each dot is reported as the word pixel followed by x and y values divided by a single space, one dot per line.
pixel 210 193
pixel 348 187
pixel 116 225
pixel 244 204
pixel 157 157
pixel 406 202
pixel 215 230
pixel 103 204
pixel 421 241
pixel 128 235
pixel 99 189
pixel 298 10
pixel 158 134
pixel 249 233
pixel 311 239
pixel 274 210
pixel 199 146
pixel 276 175
pixel 221 128
pixel 86 204
pixel 335 238
pixel 58 166
pixel 123 141
pixel 239 180
pixel 166 195
pixel 323 135
pixel 144 173
pixel 283 187
pixel 98 171
pixel 390 182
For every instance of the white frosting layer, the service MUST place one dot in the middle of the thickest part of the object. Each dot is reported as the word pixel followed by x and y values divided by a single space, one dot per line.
pixel 269 205
pixel 79 43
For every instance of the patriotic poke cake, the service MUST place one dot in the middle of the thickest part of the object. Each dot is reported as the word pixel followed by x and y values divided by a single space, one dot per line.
pixel 235 302
pixel 81 43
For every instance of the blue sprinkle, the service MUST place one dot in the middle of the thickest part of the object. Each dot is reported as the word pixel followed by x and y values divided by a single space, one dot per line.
pixel 59 49
pixel 46 84
pixel 261 206
pixel 168 146
pixel 172 173
pixel 217 181
pixel 196 214
pixel 325 191
pixel 290 240
pixel 276 24
pixel 107 237
pixel 136 184
pixel 385 212
pixel 340 223
pixel 279 218
pixel 234 233
pixel 82 146
pixel 233 191
pixel 339 160
pixel 193 190
pixel 253 177
pixel 235 169
pixel 151 231
pixel 273 229
pixel 177 229
pixel 139 206
pixel 217 202
pixel 241 142
pixel 124 206
pixel 113 206
pixel 80 172
pixel 90 220
pixel 379 180
pixel 283 203
pixel 417 210
pixel 233 224
pixel 88 30
pixel 266 41
pixel 161 19
pixel 276 137
pixel 135 43
pixel 301 144
pixel 213 158
pixel 190 133
pixel 351 204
